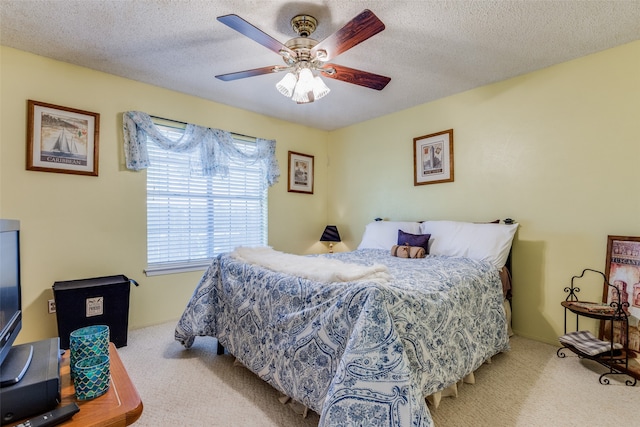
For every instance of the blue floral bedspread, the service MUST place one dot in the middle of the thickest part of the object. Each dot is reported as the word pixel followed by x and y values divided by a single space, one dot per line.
pixel 358 353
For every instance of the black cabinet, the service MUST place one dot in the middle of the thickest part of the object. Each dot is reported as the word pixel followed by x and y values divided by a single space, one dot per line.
pixel 95 301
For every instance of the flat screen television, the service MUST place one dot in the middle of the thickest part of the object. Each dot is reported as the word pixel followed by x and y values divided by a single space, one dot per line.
pixel 14 361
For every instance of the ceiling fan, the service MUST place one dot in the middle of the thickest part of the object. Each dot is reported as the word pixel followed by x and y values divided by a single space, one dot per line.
pixel 305 58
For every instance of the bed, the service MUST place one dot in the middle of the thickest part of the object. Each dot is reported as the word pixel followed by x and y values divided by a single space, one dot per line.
pixel 361 336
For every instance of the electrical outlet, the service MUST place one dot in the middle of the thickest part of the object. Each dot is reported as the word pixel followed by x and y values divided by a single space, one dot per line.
pixel 52 306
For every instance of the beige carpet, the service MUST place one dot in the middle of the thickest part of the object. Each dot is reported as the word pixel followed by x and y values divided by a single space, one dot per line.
pixel 527 386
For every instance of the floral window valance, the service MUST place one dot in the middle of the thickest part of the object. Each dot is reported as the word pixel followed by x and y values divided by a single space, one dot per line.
pixel 216 146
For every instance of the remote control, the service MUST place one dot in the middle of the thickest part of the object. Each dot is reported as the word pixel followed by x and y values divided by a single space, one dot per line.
pixel 53 417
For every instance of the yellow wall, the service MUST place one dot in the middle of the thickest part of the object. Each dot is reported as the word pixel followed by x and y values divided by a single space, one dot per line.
pixel 558 150
pixel 80 226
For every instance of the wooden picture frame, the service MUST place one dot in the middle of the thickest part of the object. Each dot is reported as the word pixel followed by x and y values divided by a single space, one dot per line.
pixel 62 139
pixel 623 271
pixel 300 178
pixel 433 158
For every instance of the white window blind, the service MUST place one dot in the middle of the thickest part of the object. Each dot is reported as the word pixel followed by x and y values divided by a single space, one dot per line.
pixel 192 218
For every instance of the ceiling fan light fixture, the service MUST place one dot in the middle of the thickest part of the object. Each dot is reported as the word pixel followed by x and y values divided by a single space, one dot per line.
pixel 302 86
pixel 287 84
pixel 306 58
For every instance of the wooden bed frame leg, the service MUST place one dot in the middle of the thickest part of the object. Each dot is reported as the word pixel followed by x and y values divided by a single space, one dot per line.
pixel 220 350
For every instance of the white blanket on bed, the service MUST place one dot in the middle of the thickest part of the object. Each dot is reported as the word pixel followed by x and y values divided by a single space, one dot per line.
pixel 313 268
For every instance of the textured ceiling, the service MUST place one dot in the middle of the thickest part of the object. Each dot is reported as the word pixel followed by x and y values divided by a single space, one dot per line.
pixel 430 49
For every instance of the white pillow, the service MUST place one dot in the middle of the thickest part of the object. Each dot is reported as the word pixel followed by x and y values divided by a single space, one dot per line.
pixel 384 234
pixel 487 242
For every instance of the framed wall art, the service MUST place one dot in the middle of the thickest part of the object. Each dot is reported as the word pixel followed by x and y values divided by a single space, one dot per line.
pixel 433 158
pixel 62 139
pixel 623 271
pixel 300 173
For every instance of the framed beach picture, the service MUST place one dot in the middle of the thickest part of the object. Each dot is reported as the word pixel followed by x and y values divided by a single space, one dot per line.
pixel 62 139
pixel 300 173
pixel 433 158
pixel 623 271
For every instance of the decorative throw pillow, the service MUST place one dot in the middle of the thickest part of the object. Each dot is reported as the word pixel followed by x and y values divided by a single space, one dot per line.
pixel 406 251
pixel 384 234
pixel 421 240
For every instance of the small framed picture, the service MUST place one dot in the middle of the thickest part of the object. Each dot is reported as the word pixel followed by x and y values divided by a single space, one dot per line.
pixel 433 158
pixel 62 139
pixel 300 173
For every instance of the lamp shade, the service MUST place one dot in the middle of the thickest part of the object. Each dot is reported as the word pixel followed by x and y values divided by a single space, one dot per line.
pixel 330 234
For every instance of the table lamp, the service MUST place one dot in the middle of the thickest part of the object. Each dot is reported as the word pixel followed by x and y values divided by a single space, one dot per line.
pixel 330 235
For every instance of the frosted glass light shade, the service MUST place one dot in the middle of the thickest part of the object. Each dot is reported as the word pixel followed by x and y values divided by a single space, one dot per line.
pixel 301 96
pixel 303 92
pixel 305 79
pixel 286 85
pixel 319 88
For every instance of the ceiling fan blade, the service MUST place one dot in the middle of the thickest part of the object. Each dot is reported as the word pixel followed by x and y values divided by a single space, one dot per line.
pixel 356 31
pixel 358 77
pixel 254 33
pixel 248 73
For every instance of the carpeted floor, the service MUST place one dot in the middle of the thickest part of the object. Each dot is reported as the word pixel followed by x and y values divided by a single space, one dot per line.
pixel 527 386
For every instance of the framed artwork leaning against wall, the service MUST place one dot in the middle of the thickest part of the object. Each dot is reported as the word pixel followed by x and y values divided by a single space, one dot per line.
pixel 623 271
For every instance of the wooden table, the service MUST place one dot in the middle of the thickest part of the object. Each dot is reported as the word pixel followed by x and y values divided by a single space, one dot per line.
pixel 119 406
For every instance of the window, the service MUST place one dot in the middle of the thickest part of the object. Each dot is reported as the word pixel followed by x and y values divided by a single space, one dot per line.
pixel 192 218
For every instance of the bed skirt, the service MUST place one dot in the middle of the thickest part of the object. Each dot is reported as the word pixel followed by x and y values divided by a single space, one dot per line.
pixel 432 400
